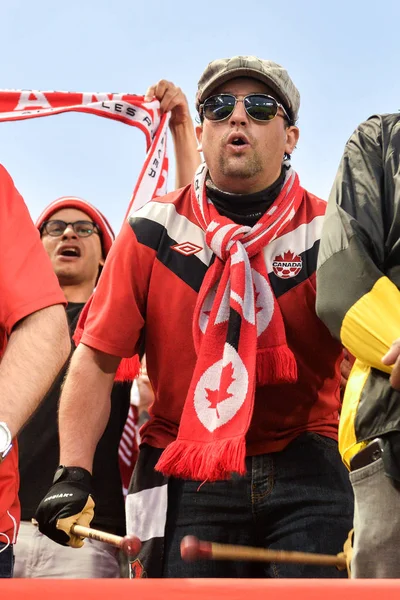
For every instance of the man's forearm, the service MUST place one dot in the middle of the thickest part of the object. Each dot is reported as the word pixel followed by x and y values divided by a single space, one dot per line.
pixel 36 351
pixel 85 405
pixel 187 157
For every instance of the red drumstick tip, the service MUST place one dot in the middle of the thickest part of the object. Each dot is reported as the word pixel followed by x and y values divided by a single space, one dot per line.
pixel 190 548
pixel 194 549
pixel 131 545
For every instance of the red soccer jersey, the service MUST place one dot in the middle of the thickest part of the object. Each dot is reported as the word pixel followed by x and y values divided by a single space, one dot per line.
pixel 27 284
pixel 147 293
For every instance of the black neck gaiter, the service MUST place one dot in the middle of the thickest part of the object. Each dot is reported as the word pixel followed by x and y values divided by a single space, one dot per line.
pixel 245 209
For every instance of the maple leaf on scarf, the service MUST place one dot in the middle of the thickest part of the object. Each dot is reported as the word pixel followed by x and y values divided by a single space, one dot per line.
pixel 219 395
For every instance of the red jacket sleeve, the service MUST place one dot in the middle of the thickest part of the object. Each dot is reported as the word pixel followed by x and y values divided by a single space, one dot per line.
pixel 27 280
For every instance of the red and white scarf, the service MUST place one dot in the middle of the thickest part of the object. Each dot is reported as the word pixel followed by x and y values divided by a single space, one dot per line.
pixel 17 105
pixel 239 337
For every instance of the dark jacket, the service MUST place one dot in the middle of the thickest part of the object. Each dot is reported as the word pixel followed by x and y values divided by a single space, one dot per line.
pixel 358 277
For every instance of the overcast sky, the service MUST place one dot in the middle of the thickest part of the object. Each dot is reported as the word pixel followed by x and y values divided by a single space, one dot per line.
pixel 342 55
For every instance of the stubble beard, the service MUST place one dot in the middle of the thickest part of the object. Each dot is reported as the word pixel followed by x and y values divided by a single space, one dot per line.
pixel 239 167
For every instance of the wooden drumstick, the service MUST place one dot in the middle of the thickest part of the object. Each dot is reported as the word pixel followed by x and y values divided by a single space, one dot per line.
pixel 194 549
pixel 130 544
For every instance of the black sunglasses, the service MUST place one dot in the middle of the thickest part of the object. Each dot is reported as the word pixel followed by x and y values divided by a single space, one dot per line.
pixel 56 228
pixel 259 107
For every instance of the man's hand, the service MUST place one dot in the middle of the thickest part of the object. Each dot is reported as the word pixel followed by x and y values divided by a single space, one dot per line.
pixel 393 358
pixel 347 553
pixel 172 99
pixel 187 157
pixel 68 501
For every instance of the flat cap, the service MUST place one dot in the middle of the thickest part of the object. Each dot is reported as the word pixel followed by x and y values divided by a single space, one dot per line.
pixel 276 77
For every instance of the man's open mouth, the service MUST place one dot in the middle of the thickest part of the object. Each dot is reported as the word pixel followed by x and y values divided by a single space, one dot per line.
pixel 70 251
pixel 237 139
pixel 238 142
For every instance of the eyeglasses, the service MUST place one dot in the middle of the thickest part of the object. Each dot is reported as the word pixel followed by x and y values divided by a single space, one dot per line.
pixel 56 228
pixel 259 107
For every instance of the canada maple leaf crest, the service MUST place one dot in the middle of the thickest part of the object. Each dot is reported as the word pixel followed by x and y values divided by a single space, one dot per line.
pixel 214 397
pixel 287 264
pixel 288 256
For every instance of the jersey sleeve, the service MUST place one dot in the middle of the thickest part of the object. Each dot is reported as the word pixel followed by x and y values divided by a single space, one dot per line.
pixel 117 312
pixel 355 299
pixel 27 280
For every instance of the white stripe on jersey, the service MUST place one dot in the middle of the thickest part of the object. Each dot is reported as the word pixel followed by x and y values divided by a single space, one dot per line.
pixel 299 240
pixel 181 229
pixel 178 227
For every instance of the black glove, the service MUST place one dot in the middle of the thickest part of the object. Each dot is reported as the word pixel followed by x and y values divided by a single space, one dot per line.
pixel 68 501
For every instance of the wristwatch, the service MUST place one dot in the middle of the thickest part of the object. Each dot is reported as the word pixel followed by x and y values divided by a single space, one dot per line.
pixel 5 440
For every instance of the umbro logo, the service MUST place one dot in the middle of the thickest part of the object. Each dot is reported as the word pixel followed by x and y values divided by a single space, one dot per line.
pixel 187 248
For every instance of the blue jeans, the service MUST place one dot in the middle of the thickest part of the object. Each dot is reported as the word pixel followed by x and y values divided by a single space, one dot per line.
pixel 298 499
pixel 6 561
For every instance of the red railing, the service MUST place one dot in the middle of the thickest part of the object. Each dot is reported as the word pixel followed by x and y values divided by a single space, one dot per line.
pixel 199 589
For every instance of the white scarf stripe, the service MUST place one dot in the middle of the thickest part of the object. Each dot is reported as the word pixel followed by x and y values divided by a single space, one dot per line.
pixel 247 302
pixel 223 310
pixel 219 238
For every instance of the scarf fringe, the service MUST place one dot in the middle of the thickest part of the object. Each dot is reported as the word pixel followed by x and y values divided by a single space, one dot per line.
pixel 276 365
pixel 198 461
pixel 128 369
